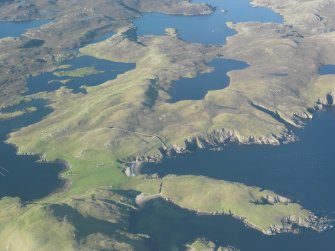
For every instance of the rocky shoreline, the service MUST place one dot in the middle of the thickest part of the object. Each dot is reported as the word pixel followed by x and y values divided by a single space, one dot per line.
pixel 219 139
pixel 290 224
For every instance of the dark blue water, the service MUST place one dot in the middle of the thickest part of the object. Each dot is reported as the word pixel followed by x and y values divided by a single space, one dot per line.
pixel 197 88
pixel 304 170
pixel 207 29
pixel 23 175
pixel 171 227
pixel 327 69
pixel 110 70
pixel 210 29
pixel 16 29
pixel 103 37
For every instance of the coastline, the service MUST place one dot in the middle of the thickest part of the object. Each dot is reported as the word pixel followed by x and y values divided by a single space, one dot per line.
pixel 289 225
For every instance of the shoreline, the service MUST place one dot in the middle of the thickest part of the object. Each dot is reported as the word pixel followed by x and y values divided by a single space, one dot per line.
pixel 318 224
pixel 134 165
pixel 63 182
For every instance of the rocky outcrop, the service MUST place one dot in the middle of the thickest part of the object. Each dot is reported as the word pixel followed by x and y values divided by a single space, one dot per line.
pixel 217 140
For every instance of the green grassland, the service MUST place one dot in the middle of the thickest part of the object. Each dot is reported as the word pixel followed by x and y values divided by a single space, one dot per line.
pixel 89 222
pixel 119 120
pixel 201 244
pixel 260 209
pixel 128 118
pixel 67 30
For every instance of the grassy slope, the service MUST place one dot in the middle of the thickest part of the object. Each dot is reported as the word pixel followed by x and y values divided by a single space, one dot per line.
pixel 78 131
pixel 32 228
pixel 205 245
pixel 94 220
pixel 211 196
pixel 201 244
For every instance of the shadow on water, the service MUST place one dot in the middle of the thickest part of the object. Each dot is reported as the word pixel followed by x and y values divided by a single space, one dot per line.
pixel 171 227
pixel 103 37
pixel 197 88
pixel 84 225
pixel 23 175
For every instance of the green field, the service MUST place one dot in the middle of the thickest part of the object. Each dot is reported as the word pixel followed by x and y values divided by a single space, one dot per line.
pixel 129 118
